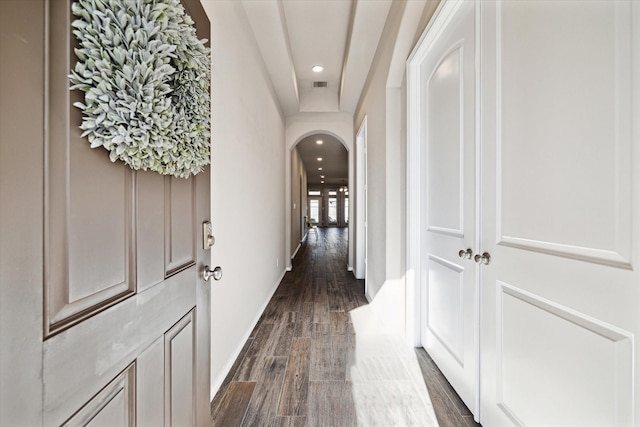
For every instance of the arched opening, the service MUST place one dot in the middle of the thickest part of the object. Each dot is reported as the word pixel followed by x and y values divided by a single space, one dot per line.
pixel 318 185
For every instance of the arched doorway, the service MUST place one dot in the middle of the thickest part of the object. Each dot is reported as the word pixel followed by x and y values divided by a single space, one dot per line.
pixel 318 185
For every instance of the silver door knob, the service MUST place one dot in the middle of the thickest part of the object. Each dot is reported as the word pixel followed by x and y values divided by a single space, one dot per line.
pixel 468 254
pixel 207 273
pixel 485 258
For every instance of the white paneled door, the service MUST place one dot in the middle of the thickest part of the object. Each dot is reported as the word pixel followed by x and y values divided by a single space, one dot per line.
pixel 544 159
pixel 105 315
pixel 560 190
pixel 449 291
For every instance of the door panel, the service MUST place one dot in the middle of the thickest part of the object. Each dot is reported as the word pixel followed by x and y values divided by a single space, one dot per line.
pixel 113 405
pixel 179 373
pixel 121 313
pixel 100 220
pixel 560 199
pixel 578 345
pixel 445 305
pixel 150 229
pixel 545 205
pixel 180 241
pixel 88 203
pixel 449 179
pixel 150 385
pixel 445 154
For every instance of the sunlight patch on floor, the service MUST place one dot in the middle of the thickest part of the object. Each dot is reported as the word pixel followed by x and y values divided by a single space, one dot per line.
pixel 387 384
pixel 389 306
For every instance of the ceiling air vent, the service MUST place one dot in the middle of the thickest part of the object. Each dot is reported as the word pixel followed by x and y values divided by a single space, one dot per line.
pixel 319 84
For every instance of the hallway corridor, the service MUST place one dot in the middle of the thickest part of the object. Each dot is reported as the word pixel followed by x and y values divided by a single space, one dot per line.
pixel 318 357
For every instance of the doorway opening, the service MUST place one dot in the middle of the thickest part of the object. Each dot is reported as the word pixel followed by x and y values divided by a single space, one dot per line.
pixel 320 171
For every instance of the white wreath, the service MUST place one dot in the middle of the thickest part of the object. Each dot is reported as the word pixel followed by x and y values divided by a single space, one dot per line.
pixel 145 76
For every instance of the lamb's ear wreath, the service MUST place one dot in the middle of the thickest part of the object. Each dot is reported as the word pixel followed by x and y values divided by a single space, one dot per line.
pixel 145 77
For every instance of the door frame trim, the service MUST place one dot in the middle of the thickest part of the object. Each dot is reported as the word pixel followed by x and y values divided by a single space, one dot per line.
pixel 361 203
pixel 441 17
pixel 415 297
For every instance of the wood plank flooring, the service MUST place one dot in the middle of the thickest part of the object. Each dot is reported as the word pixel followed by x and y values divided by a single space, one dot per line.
pixel 317 357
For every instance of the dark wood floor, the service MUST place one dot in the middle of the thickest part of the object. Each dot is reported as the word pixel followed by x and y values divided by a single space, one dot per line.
pixel 317 357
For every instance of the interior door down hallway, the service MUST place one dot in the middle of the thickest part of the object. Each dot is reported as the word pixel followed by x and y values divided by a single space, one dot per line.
pixel 104 316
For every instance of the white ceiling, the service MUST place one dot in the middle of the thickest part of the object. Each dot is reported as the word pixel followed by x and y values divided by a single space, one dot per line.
pixel 340 35
pixel 334 163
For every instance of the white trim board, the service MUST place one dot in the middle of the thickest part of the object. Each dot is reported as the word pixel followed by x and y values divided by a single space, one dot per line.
pixel 297 249
pixel 441 17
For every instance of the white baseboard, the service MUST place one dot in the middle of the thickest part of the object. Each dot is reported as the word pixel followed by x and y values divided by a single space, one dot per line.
pixel 349 268
pixel 215 385
pixel 296 251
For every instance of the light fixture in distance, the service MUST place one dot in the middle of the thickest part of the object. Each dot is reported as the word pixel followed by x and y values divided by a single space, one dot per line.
pixel 319 142
pixel 319 159
pixel 319 169
pixel 317 68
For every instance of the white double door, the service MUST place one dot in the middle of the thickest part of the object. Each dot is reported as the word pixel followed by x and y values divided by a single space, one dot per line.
pixel 530 142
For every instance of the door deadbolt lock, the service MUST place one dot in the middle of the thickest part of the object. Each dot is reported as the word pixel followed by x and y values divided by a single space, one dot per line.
pixel 207 235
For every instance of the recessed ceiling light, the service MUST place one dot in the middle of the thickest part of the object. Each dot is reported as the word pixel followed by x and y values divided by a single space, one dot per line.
pixel 321 176
pixel 319 169
pixel 317 68
pixel 319 159
pixel 319 142
pixel 321 182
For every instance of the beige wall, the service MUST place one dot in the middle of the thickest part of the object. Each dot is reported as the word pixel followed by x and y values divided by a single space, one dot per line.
pixel 247 181
pixel 373 104
pixel 383 102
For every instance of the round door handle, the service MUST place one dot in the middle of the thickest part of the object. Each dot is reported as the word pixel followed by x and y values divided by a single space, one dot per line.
pixel 207 273
pixel 485 258
pixel 468 254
